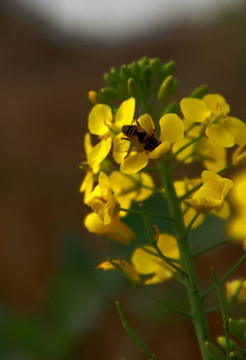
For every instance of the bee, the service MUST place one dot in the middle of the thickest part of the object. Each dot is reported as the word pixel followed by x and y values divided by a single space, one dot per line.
pixel 142 135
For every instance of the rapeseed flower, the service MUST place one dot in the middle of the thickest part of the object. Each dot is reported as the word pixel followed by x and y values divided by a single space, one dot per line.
pixel 212 193
pixel 133 159
pixel 147 261
pixel 122 266
pixel 102 123
pixel 102 200
pixel 115 230
pixel 128 188
pixel 212 111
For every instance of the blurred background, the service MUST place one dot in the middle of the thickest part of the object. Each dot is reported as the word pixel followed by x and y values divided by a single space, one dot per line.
pixel 54 303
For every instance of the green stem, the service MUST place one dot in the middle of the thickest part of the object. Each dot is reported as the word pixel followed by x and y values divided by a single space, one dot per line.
pixel 151 214
pixel 170 307
pixel 223 311
pixel 192 285
pixel 171 157
pixel 211 247
pixel 133 335
pixel 225 276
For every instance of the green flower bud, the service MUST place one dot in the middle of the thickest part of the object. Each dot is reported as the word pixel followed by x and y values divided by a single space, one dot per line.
pixel 199 92
pixel 112 93
pixel 221 340
pixel 168 68
pixel 108 79
pixel 134 68
pixel 133 88
pixel 155 65
pixel 143 62
pixel 238 328
pixel 167 88
pixel 125 71
pixel 236 355
pixel 214 351
pixel 102 99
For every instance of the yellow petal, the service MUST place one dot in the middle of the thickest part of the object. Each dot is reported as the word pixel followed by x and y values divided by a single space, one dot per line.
pixel 166 274
pixel 220 135
pixel 116 230
pixel 195 110
pixel 134 162
pixel 146 122
pixel 224 213
pixel 100 119
pixel 172 128
pixel 237 128
pixel 168 246
pixel 185 152
pixel 125 113
pixel 160 150
pixel 142 193
pixel 217 104
pixel 87 143
pixel 87 185
pixel 120 148
pixel 213 155
pixel 99 152
pixel 146 263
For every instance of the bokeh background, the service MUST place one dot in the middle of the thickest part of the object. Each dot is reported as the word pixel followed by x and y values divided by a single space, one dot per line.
pixel 54 303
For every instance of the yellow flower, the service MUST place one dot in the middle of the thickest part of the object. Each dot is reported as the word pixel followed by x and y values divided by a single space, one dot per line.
pixel 136 157
pixel 212 193
pixel 122 266
pixel 88 182
pixel 128 188
pixel 212 155
pixel 237 224
pixel 236 288
pixel 212 111
pixel 102 123
pixel 148 262
pixel 181 187
pixel 116 230
pixel 102 200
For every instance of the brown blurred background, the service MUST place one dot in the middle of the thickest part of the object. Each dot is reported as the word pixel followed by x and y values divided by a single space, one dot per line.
pixel 45 77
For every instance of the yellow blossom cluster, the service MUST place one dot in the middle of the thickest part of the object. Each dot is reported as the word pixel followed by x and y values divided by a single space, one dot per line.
pixel 202 132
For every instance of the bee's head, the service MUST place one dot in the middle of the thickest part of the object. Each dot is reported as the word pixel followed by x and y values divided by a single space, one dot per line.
pixel 124 128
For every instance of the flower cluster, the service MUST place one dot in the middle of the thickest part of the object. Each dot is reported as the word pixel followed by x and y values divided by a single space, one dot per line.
pixel 136 138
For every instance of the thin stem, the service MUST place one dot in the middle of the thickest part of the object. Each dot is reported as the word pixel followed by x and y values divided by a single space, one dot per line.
pixel 151 214
pixel 213 246
pixel 188 229
pixel 223 311
pixel 171 157
pixel 157 255
pixel 192 285
pixel 132 335
pixel 170 307
pixel 225 276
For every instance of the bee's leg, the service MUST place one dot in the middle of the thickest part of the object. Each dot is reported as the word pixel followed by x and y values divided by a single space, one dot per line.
pixel 124 138
pixel 138 123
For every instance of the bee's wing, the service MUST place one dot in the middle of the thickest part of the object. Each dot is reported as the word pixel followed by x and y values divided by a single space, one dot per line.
pixel 146 122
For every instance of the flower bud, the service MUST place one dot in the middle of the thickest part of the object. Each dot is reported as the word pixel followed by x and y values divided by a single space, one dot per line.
pixel 92 97
pixel 167 88
pixel 236 355
pixel 111 92
pixel 221 340
pixel 199 92
pixel 168 68
pixel 133 88
pixel 155 65
pixel 214 351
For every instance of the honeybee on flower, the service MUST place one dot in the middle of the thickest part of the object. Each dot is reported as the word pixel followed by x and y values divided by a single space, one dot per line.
pixel 141 143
